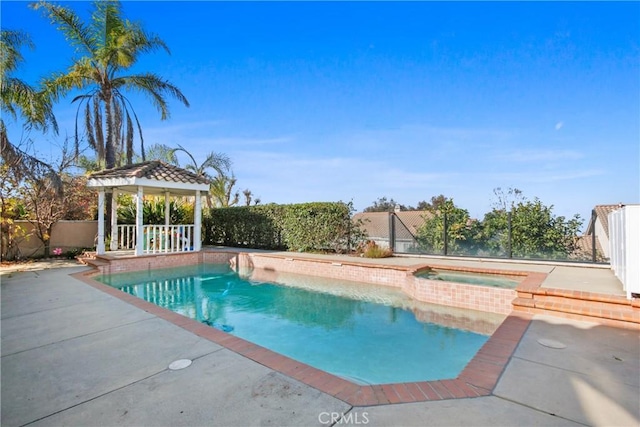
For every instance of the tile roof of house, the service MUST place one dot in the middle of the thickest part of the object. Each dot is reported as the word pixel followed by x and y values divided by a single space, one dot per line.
pixel 155 170
pixel 602 212
pixel 584 251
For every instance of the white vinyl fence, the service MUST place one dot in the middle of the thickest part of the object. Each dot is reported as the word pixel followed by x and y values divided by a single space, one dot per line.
pixel 624 247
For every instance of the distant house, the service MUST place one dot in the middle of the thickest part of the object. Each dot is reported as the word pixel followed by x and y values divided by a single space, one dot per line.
pixel 406 224
pixel 599 225
pixel 584 250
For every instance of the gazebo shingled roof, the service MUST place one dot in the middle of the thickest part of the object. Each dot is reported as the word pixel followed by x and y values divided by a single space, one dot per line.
pixel 156 176
pixel 153 169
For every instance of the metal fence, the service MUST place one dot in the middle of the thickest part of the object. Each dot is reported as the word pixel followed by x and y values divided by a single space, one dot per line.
pixel 403 235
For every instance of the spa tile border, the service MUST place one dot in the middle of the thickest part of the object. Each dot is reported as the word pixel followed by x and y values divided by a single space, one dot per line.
pixel 478 378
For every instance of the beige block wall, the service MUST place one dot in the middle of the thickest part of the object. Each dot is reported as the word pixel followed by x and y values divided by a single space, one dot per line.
pixel 67 235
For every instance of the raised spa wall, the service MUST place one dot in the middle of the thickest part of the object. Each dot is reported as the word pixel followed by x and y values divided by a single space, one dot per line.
pixel 488 299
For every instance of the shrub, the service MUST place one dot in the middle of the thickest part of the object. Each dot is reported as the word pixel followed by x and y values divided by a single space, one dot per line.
pixel 153 211
pixel 370 249
pixel 300 227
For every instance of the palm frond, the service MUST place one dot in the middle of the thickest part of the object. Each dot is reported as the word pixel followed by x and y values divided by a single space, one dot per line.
pixel 163 153
pixel 155 88
pixel 138 41
pixel 58 84
pixel 70 24
pixel 17 97
pixel 194 165
pixel 125 103
pixel 219 162
pixel 88 122
pixel 10 43
pixel 97 124
pixel 117 123
pixel 25 166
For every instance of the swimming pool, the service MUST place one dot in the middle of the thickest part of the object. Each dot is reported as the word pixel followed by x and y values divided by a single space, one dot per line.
pixel 365 333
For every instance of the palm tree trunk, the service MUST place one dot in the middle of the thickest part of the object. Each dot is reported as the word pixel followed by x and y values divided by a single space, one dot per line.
pixel 110 148
pixel 109 155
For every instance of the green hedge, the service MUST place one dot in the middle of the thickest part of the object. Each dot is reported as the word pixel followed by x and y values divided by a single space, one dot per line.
pixel 300 227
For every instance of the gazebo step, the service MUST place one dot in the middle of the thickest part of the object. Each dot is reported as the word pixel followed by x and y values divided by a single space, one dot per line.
pixel 85 257
pixel 96 263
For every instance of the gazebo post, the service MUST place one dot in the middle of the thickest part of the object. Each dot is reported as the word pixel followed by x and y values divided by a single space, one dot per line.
pixel 197 218
pixel 139 225
pixel 100 245
pixel 167 207
pixel 114 221
pixel 167 220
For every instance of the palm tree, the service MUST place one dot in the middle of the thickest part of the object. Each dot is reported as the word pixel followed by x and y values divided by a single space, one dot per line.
pixel 163 153
pixel 221 188
pixel 19 99
pixel 217 161
pixel 248 198
pixel 108 46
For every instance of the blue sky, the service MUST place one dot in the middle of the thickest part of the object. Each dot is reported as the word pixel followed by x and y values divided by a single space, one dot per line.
pixel 355 101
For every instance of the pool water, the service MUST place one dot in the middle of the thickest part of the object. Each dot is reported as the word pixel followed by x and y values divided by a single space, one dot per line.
pixel 365 333
pixel 492 280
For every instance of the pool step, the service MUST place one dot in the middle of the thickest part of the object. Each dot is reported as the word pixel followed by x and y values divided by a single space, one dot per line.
pixel 612 310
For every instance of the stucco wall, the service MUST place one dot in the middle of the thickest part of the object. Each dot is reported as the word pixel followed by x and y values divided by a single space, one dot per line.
pixel 602 238
pixel 66 235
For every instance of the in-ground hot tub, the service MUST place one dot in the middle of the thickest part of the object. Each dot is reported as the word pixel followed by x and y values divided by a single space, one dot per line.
pixel 476 289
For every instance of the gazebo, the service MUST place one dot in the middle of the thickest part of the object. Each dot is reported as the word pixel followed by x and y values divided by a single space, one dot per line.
pixel 151 178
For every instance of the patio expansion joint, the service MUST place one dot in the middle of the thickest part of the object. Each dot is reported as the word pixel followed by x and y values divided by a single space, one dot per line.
pixel 88 334
pixel 524 405
pixel 583 374
pixel 97 397
pixel 44 310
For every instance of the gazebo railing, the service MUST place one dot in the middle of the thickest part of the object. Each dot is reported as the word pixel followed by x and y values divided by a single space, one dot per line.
pixel 158 238
pixel 126 237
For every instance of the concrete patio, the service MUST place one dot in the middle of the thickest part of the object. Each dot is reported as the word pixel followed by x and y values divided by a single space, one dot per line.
pixel 73 355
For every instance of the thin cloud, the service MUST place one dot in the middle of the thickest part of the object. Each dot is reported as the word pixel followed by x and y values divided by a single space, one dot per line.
pixel 420 133
pixel 182 127
pixel 200 146
pixel 541 177
pixel 530 156
pixel 291 178
pixel 248 141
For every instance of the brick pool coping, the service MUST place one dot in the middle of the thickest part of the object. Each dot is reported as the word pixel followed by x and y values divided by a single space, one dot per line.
pixel 478 378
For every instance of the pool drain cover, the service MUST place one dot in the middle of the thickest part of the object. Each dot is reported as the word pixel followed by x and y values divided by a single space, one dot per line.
pixel 551 343
pixel 179 364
